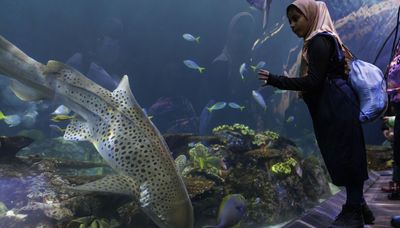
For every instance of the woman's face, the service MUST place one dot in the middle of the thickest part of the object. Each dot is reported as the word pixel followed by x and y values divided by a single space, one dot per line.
pixel 298 22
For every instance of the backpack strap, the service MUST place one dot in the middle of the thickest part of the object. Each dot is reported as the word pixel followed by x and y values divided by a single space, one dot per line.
pixel 339 51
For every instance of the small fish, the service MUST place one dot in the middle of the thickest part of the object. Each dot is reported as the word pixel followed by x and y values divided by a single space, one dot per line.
pixel 57 128
pixel 242 70
pixel 217 106
pixel 59 118
pixel 190 37
pixel 231 210
pixel 11 120
pixel 259 98
pixel 259 65
pixel 61 110
pixel 290 119
pixel 192 65
pixel 235 106
pixel 192 144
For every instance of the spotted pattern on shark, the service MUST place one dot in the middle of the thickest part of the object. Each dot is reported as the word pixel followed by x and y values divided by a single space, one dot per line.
pixel 118 184
pixel 126 139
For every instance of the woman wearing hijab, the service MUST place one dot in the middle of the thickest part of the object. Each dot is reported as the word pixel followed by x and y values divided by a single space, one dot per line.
pixel 331 104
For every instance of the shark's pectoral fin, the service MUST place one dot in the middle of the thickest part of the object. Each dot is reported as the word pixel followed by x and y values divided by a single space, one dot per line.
pixel 112 184
pixel 26 93
pixel 77 130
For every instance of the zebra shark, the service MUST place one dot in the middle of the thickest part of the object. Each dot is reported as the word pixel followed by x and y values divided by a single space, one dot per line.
pixel 117 127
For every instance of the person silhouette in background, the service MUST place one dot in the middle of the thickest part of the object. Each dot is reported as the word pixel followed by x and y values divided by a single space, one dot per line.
pixel 225 84
pixel 330 101
pixel 393 81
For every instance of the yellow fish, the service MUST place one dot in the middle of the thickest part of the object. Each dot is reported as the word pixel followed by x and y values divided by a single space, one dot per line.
pixel 59 118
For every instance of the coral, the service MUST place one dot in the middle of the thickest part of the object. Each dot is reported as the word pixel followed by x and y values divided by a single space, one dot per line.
pixel 202 160
pixel 284 167
pixel 197 185
pixel 265 153
pixel 265 138
pixel 237 137
pixel 240 128
pixel 271 135
pixel 181 163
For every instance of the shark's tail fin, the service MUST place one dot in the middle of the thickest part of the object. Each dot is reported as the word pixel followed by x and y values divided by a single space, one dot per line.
pixel 27 72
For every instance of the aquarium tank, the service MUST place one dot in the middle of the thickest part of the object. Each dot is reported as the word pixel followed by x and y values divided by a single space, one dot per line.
pixel 139 114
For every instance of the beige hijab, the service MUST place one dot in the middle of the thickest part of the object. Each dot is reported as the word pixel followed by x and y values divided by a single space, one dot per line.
pixel 319 20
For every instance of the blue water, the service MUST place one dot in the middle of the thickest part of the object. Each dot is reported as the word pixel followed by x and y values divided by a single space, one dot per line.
pixel 106 39
pixel 144 40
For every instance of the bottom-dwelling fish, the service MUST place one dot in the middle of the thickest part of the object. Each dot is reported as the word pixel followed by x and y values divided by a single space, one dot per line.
pixel 117 127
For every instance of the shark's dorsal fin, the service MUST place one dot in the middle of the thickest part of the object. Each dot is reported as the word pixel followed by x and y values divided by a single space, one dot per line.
pixel 123 85
pixel 54 67
pixel 26 93
pixel 123 92
pixel 112 184
pixel 77 130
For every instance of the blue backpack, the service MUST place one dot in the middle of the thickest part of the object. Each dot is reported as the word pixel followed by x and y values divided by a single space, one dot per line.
pixel 368 82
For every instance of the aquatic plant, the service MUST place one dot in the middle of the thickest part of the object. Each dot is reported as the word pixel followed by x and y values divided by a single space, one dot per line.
pixel 284 167
pixel 92 222
pixel 202 160
pixel 236 137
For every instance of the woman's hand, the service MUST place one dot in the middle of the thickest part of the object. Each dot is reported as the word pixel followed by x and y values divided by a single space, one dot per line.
pixel 263 75
pixel 389 120
pixel 389 135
